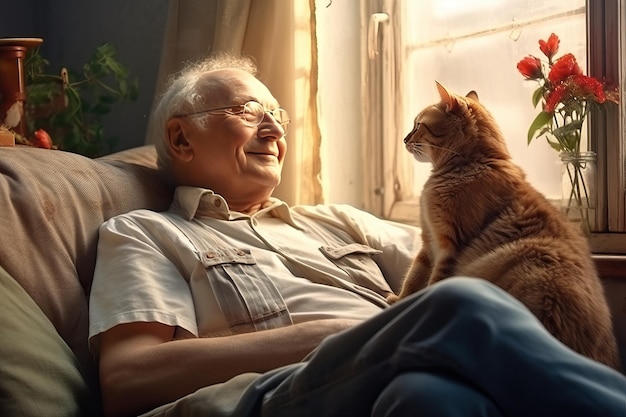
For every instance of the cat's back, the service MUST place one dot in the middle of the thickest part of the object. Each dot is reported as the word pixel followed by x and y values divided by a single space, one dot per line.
pixel 533 252
pixel 474 194
pixel 520 215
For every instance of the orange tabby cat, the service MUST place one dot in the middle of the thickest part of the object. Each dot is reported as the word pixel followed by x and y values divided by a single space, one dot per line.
pixel 481 218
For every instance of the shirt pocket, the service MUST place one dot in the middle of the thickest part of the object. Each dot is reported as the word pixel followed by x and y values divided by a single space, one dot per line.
pixel 356 261
pixel 245 295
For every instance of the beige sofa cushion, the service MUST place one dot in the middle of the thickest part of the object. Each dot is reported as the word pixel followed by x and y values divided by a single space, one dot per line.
pixel 39 374
pixel 51 205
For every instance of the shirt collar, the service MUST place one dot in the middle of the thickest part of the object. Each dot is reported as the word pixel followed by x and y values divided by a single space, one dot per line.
pixel 191 202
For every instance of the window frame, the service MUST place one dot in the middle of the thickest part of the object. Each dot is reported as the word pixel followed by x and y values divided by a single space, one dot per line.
pixel 607 59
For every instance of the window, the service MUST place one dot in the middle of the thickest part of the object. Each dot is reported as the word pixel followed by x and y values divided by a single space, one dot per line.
pixel 476 45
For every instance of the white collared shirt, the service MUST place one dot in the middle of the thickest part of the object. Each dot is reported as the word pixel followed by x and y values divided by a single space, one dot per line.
pixel 210 271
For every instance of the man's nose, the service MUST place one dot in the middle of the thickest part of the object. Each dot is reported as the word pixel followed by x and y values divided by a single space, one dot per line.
pixel 270 128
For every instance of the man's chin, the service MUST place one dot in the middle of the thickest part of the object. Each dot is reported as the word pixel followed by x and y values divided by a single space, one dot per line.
pixel 266 179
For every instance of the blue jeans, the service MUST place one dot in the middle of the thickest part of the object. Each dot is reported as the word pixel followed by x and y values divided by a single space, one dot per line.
pixel 462 347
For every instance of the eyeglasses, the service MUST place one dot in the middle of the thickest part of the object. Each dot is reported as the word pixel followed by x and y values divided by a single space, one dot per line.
pixel 252 113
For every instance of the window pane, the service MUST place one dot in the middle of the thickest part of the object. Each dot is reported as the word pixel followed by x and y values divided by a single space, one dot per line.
pixel 476 46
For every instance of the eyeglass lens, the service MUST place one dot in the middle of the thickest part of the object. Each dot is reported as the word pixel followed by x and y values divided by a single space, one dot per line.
pixel 254 112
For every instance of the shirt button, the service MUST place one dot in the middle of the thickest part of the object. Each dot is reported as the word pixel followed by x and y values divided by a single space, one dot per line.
pixel 240 253
pixel 210 255
pixel 217 202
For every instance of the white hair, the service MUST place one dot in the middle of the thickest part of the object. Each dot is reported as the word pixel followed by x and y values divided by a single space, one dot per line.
pixel 185 92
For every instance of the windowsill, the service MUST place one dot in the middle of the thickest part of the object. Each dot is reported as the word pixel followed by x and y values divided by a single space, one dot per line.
pixel 608 243
pixel 407 211
pixel 602 244
pixel 610 266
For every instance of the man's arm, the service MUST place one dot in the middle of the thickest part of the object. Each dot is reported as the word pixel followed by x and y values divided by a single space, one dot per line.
pixel 142 367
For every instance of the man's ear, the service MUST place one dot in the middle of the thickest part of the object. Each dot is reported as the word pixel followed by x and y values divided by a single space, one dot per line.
pixel 180 147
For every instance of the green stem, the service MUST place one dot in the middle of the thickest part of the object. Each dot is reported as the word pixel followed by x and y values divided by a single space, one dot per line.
pixel 578 198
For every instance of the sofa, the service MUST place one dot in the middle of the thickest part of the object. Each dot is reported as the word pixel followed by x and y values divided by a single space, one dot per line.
pixel 51 204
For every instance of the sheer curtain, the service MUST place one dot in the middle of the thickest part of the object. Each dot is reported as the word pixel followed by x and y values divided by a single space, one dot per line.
pixel 280 35
pixel 389 173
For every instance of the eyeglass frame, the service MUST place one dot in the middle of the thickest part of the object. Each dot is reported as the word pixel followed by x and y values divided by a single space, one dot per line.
pixel 284 124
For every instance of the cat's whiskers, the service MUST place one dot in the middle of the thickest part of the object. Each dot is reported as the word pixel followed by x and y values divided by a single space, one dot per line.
pixel 449 151
pixel 415 149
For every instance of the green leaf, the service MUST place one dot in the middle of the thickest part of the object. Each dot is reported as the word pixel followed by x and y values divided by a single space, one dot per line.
pixel 540 121
pixel 74 105
pixel 107 99
pixel 101 109
pixel 571 128
pixel 133 91
pixel 555 145
pixel 537 96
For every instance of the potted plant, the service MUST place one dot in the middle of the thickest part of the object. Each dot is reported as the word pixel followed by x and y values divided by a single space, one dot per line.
pixel 68 107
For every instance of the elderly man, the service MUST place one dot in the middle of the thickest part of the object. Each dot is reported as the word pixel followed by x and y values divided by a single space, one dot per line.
pixel 234 303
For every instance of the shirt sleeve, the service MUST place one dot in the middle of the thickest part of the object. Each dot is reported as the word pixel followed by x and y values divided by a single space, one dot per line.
pixel 137 277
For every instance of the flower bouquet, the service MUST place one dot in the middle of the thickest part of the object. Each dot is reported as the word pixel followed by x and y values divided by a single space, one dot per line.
pixel 567 97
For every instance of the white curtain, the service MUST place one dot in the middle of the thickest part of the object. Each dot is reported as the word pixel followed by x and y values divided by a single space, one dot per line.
pixel 280 35
pixel 388 173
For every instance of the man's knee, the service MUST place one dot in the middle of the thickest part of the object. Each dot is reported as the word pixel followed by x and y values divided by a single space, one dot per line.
pixel 467 299
pixel 462 286
pixel 423 393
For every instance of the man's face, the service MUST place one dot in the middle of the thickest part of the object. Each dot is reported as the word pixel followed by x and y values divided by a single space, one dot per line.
pixel 242 163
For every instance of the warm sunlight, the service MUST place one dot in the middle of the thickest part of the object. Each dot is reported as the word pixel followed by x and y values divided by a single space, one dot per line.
pixel 446 8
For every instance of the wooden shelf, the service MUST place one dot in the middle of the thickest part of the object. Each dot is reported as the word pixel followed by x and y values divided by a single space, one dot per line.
pixel 610 266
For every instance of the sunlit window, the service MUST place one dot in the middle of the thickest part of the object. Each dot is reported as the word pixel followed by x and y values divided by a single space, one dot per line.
pixel 378 69
pixel 476 46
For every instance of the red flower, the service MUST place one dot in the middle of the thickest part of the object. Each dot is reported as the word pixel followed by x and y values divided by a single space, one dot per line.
pixel 550 47
pixel 41 139
pixel 530 67
pixel 554 97
pixel 563 68
pixel 568 96
pixel 584 87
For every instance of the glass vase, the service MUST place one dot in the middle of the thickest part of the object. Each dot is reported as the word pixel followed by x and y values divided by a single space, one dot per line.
pixel 578 184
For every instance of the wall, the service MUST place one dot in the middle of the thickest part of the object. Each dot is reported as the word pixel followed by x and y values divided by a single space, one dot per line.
pixel 338 33
pixel 72 29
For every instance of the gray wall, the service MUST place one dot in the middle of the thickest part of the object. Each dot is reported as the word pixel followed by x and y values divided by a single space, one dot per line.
pixel 72 29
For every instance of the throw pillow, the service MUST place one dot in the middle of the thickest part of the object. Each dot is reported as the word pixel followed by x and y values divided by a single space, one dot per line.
pixel 39 374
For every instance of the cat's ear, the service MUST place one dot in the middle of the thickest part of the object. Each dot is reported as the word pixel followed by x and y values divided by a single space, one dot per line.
pixel 447 98
pixel 473 95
